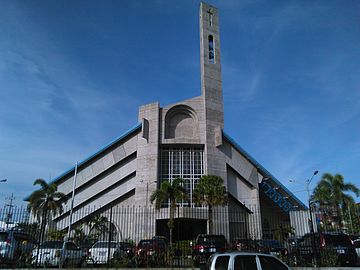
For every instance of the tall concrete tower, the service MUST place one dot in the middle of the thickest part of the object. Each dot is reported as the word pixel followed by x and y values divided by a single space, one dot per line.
pixel 211 87
pixel 210 62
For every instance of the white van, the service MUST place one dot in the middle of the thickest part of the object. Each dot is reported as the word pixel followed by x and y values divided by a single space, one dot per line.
pixel 245 260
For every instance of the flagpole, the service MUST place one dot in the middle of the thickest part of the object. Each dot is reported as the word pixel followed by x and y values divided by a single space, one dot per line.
pixel 71 213
pixel 72 202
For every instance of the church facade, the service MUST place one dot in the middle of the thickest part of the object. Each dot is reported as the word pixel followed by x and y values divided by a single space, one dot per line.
pixel 186 140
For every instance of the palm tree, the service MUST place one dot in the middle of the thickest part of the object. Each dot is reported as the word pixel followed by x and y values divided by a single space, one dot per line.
pixel 45 202
pixel 210 191
pixel 321 198
pixel 331 190
pixel 169 192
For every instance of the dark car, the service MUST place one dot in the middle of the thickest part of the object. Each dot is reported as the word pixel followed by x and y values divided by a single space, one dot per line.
pixel 124 249
pixel 291 244
pixel 310 246
pixel 206 245
pixel 272 246
pixel 151 252
pixel 245 244
pixel 15 247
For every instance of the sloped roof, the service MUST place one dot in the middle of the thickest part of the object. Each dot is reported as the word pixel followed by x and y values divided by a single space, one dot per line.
pixel 96 154
pixel 263 171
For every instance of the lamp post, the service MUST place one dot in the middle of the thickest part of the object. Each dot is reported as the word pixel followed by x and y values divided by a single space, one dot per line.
pixel 309 202
pixel 310 212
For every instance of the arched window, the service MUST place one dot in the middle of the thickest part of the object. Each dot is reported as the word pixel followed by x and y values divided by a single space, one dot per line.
pixel 211 49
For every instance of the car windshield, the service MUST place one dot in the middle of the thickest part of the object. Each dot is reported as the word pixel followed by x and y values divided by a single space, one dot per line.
pixel 337 240
pixel 125 245
pixel 105 245
pixel 3 236
pixel 146 243
pixel 214 239
pixel 52 244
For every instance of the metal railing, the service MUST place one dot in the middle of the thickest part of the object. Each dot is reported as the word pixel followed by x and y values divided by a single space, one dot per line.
pixel 110 237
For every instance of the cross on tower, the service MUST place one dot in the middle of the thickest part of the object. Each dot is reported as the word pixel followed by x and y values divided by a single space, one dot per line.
pixel 210 16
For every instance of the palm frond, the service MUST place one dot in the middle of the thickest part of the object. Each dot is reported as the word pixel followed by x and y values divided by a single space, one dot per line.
pixel 42 183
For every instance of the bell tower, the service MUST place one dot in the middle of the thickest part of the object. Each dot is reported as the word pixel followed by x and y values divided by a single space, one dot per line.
pixel 211 89
pixel 211 83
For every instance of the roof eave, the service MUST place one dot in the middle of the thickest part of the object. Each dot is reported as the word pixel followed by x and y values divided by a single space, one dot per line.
pixel 263 171
pixel 94 155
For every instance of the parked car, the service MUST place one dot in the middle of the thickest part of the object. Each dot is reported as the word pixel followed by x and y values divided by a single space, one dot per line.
pixel 101 252
pixel 340 242
pixel 86 243
pixel 291 244
pixel 357 247
pixel 245 260
pixel 206 245
pixel 161 239
pixel 15 246
pixel 151 252
pixel 272 246
pixel 124 249
pixel 245 244
pixel 54 253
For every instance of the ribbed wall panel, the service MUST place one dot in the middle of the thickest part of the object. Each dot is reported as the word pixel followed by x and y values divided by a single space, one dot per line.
pixel 100 165
pixel 101 201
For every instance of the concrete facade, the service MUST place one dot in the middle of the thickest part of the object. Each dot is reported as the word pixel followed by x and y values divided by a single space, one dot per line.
pixel 127 171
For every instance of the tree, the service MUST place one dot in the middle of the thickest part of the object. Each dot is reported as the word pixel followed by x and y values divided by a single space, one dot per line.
pixel 351 217
pixel 321 198
pixel 97 226
pixel 79 235
pixel 45 202
pixel 210 191
pixel 169 192
pixel 331 192
pixel 57 235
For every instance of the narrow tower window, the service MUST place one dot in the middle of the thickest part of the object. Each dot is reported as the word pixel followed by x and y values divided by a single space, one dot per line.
pixel 211 50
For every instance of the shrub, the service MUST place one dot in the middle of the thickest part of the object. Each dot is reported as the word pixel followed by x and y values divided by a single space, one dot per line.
pixel 329 257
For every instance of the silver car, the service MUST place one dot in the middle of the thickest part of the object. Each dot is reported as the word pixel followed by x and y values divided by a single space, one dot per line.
pixel 245 260
pixel 55 253
pixel 102 251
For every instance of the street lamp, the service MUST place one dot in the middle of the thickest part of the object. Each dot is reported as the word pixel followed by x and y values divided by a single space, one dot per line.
pixel 310 212
pixel 308 183
pixel 309 202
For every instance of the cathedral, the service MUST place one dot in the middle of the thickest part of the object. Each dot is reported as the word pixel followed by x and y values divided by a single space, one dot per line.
pixel 186 140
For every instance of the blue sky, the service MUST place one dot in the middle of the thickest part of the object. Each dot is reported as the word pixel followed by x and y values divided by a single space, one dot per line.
pixel 73 73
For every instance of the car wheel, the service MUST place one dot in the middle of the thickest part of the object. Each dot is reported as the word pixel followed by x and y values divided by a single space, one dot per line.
pixel 64 264
pixel 83 263
pixel 196 262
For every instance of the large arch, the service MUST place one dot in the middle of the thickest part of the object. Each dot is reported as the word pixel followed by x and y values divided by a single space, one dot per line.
pixel 181 122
